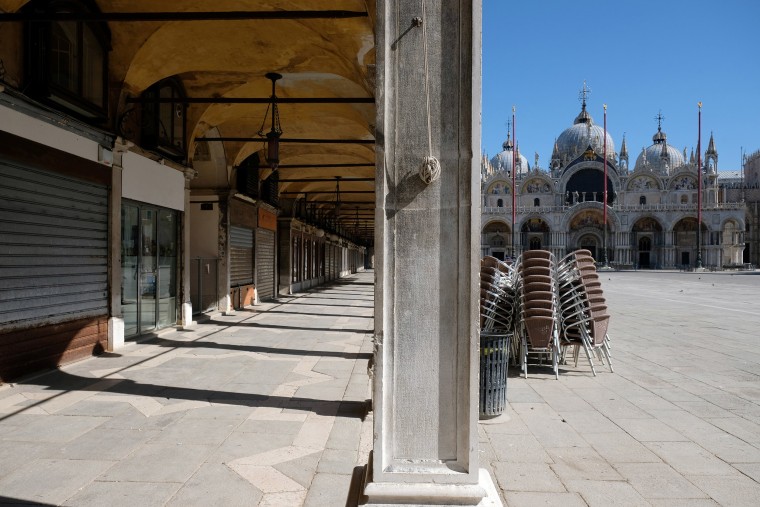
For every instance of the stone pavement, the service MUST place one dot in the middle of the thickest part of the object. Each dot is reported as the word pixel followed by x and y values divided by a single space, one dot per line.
pixel 677 424
pixel 260 408
pixel 268 407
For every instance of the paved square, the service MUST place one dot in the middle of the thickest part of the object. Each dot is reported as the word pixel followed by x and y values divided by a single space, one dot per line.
pixel 267 407
pixel 678 422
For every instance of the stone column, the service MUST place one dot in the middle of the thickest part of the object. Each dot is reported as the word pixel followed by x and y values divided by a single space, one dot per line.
pixel 186 307
pixel 425 394
pixel 116 318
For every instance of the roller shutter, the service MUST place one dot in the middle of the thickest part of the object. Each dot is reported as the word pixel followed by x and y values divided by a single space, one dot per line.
pixel 241 256
pixel 53 247
pixel 265 263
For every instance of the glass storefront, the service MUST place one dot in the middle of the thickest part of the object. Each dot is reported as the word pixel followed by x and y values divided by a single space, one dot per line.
pixel 149 268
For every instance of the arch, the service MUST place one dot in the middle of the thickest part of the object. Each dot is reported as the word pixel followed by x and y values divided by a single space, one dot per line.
pixel 495 226
pixel 643 183
pixel 536 185
pixel 589 184
pixel 498 187
pixel 613 220
pixel 682 181
pixel 613 179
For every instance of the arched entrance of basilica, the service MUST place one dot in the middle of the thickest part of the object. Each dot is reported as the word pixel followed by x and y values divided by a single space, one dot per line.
pixel 591 243
pixel 586 230
pixel 647 239
pixel 685 241
pixel 534 234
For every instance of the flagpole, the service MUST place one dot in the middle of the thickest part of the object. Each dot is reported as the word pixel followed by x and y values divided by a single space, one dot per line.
pixel 604 202
pixel 699 187
pixel 514 190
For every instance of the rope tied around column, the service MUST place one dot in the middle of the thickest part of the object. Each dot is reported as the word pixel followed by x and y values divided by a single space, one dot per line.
pixel 430 169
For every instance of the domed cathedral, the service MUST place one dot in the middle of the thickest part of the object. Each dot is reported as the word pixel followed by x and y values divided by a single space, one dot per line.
pixel 652 210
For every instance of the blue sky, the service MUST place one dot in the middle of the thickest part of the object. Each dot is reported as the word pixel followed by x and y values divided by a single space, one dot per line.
pixel 639 57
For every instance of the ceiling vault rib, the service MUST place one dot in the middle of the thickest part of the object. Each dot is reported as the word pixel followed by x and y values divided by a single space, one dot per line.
pixel 285 140
pixel 327 192
pixel 319 166
pixel 250 100
pixel 180 16
pixel 320 180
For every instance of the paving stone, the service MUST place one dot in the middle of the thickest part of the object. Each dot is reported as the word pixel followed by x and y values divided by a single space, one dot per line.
pixel 531 499
pixel 61 479
pixel 124 494
pixel 159 463
pixel 519 449
pixel 215 484
pixel 598 493
pixel 650 430
pixel 689 459
pixel 730 491
pixel 571 463
pixel 527 477
pixel 328 489
pixel 658 480
pixel 620 448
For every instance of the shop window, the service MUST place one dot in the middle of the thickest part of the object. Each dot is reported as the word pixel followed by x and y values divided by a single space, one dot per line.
pixel 164 121
pixel 66 62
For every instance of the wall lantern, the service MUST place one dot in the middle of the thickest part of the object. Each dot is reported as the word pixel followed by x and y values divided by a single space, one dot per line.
pixel 273 136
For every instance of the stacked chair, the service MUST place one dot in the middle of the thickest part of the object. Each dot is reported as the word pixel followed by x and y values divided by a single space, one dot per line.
pixel 549 307
pixel 497 296
pixel 538 324
pixel 497 314
pixel 583 309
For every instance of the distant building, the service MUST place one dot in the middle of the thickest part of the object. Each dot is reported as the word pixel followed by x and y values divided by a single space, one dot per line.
pixel 652 207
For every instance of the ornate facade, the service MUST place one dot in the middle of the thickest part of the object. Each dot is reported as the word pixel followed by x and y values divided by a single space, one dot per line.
pixel 652 208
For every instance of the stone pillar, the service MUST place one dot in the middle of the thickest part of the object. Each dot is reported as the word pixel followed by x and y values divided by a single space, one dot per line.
pixel 425 393
pixel 115 318
pixel 186 308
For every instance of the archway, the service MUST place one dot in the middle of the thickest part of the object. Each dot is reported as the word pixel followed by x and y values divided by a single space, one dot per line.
pixel 534 233
pixel 588 185
pixel 647 239
pixel 496 239
pixel 685 241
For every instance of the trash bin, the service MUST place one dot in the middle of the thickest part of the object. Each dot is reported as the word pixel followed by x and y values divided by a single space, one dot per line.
pixel 494 358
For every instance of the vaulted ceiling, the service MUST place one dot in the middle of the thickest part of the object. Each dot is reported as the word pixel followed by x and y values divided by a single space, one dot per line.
pixel 324 50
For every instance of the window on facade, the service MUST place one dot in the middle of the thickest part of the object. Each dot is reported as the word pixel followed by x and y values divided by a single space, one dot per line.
pixel 684 199
pixel 67 61
pixel 164 121
pixel 642 200
pixel 500 203
pixel 536 202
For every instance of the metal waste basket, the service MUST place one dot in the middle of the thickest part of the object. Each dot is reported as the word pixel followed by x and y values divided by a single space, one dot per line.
pixel 494 357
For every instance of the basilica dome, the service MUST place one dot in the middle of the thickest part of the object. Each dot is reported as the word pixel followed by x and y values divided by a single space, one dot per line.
pixel 503 160
pixel 574 140
pixel 660 157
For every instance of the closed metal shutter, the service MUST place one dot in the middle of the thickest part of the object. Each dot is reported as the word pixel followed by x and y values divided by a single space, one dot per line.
pixel 265 263
pixel 53 247
pixel 241 256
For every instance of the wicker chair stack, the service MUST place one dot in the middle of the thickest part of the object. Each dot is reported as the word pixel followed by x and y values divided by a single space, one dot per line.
pixel 538 323
pixel 583 309
pixel 550 307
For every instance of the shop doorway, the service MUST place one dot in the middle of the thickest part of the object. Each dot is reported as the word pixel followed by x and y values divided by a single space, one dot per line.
pixel 149 268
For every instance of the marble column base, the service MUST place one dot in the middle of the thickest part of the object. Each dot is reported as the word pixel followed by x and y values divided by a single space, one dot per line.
pixel 364 492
